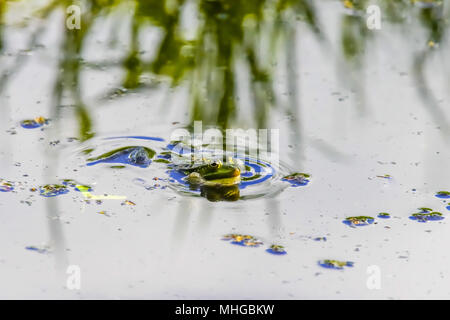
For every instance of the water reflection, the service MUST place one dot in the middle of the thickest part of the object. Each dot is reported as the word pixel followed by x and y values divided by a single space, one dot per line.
pixel 234 49
pixel 212 43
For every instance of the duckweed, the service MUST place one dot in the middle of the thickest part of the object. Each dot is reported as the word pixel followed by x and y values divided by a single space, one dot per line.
pixel 6 186
pixel 443 194
pixel 34 123
pixel 297 179
pixel 243 240
pixel 335 264
pixel 358 221
pixel 276 249
pixel 424 217
pixel 53 190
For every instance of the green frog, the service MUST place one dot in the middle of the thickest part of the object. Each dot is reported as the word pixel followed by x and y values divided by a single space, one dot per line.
pixel 216 180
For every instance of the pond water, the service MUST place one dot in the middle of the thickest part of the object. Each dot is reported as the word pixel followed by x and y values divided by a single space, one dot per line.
pixel 374 140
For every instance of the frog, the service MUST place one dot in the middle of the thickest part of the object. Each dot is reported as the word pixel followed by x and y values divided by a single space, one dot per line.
pixel 213 173
pixel 216 180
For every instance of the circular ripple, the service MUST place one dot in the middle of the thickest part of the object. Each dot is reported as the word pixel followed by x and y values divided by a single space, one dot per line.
pixel 259 177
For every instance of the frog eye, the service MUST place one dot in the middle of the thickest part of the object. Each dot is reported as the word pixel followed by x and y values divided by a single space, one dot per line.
pixel 214 164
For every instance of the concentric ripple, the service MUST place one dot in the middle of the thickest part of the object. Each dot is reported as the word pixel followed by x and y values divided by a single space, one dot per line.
pixel 259 177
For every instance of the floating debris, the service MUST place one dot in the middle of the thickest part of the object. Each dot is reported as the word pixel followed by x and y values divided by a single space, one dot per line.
pixel 6 186
pixel 243 240
pixel 335 264
pixel 424 217
pixel 143 183
pixel 276 249
pixel 128 203
pixel 297 179
pixel 384 215
pixel 133 155
pixel 52 190
pixel 425 210
pixel 443 194
pixel 358 221
pixel 77 186
pixel 448 207
pixel 320 239
pixel 83 188
pixel 11 131
pixel 386 176
pixel 69 183
pixel 35 123
pixel 42 249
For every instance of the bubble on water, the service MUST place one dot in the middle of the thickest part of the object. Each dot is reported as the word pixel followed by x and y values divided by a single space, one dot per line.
pixel 443 194
pixel 384 215
pixel 358 221
pixel 424 217
pixel 244 240
pixel 133 155
pixel 276 249
pixel 297 179
pixel 6 186
pixel 53 190
pixel 335 264
pixel 34 123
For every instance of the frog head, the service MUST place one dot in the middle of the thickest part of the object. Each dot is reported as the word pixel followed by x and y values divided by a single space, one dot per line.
pixel 214 173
